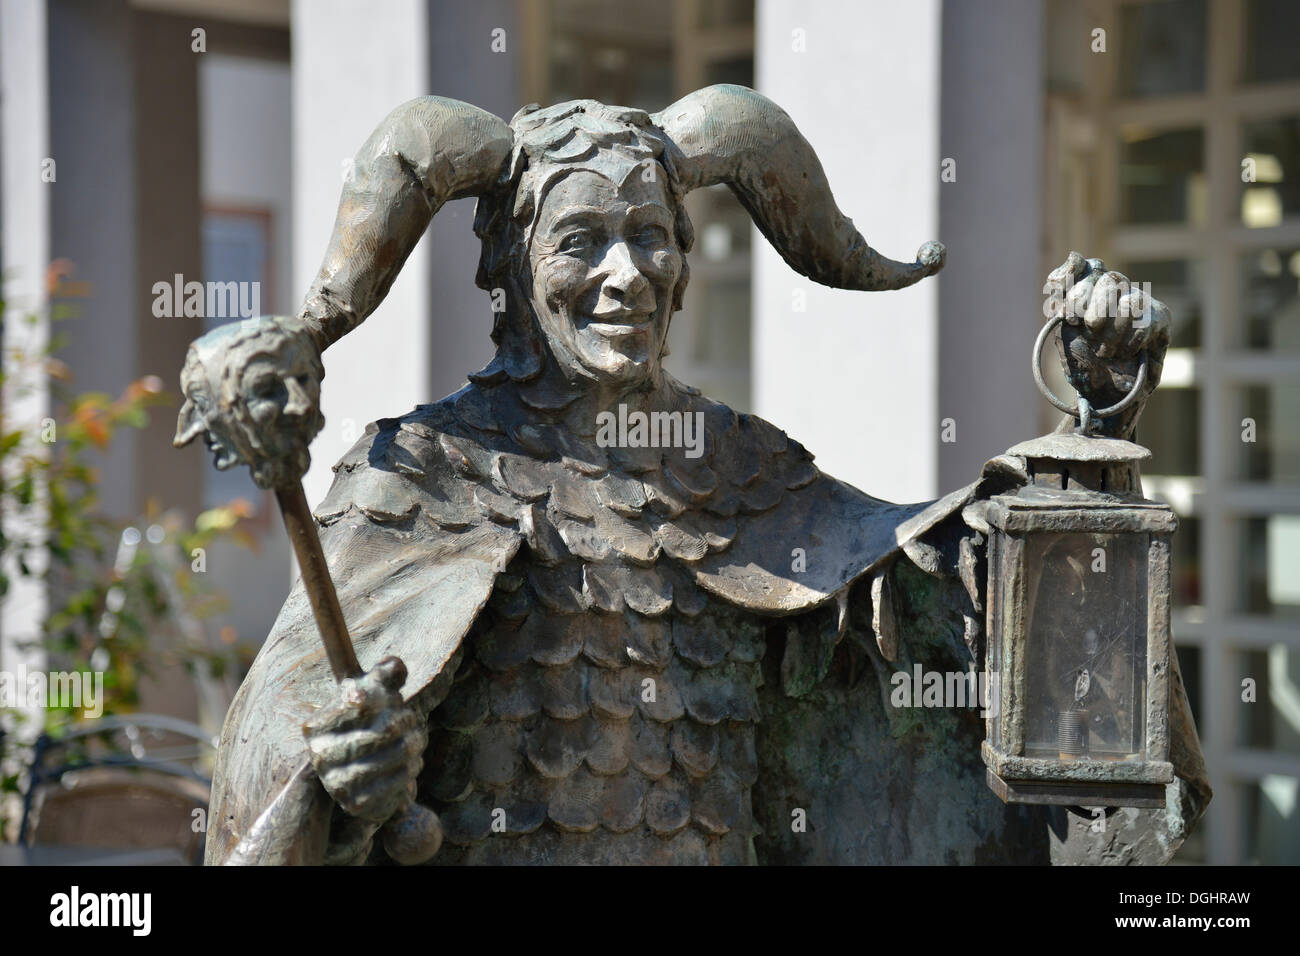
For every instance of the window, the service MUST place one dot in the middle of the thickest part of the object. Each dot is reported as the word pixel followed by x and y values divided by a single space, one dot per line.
pixel 236 248
pixel 1176 155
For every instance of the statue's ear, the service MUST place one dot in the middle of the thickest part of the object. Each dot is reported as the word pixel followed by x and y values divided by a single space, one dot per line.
pixel 190 424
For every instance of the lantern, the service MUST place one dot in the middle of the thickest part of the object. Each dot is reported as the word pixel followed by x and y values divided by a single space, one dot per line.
pixel 1078 622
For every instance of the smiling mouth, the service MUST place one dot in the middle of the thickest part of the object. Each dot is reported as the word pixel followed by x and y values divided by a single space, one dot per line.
pixel 620 323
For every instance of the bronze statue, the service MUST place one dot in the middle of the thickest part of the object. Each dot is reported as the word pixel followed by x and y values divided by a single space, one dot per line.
pixel 607 653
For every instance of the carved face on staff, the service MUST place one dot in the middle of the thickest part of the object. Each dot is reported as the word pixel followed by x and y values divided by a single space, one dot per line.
pixel 252 391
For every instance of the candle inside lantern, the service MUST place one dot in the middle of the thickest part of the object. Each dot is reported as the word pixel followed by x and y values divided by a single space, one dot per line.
pixel 1087 640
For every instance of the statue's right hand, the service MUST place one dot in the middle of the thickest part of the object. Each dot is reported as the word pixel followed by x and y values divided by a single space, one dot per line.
pixel 367 745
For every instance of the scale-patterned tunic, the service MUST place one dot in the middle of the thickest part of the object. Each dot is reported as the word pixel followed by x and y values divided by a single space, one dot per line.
pixel 597 738
pixel 603 707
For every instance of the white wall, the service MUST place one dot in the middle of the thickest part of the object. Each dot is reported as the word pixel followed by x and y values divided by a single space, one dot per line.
pixel 855 377
pixel 352 63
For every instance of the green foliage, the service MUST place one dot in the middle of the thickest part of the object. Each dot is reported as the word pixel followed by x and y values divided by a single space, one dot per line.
pixel 123 599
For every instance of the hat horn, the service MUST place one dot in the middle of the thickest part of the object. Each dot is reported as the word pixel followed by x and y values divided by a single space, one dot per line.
pixel 424 153
pixel 731 134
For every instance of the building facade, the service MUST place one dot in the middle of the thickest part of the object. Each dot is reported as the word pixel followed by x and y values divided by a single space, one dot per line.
pixel 1160 135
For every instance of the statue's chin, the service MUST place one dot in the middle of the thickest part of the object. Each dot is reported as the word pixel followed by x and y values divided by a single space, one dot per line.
pixel 614 368
pixel 281 469
pixel 224 460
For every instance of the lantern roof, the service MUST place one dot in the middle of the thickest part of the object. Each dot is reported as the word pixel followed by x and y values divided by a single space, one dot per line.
pixel 1068 446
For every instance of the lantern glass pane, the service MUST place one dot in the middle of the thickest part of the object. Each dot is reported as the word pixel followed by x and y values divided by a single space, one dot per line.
pixel 1085 657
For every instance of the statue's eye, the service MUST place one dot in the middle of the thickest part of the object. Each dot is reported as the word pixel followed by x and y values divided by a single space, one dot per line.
pixel 268 388
pixel 651 236
pixel 576 242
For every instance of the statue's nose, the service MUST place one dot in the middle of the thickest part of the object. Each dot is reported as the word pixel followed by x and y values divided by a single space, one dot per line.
pixel 299 403
pixel 621 273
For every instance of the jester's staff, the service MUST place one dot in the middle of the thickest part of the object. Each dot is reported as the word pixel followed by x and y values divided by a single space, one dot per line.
pixel 252 391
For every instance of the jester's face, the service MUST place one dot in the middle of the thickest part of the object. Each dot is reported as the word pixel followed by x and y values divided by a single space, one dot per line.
pixel 604 262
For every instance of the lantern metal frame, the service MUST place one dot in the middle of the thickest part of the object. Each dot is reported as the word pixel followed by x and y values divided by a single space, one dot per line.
pixel 1078 484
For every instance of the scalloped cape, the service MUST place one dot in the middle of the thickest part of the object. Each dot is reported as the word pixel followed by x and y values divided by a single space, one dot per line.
pixel 426 510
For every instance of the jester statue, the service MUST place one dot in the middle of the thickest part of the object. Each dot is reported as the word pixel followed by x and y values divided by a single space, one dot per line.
pixel 580 647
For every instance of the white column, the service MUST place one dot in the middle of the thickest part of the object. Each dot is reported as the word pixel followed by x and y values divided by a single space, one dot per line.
pixel 352 63
pixel 25 246
pixel 855 376
pixel 990 218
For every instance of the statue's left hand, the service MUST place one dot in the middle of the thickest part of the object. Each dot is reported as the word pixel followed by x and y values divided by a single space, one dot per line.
pixel 1109 324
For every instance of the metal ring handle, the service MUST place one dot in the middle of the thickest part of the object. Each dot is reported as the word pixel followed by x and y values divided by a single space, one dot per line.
pixel 1075 410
